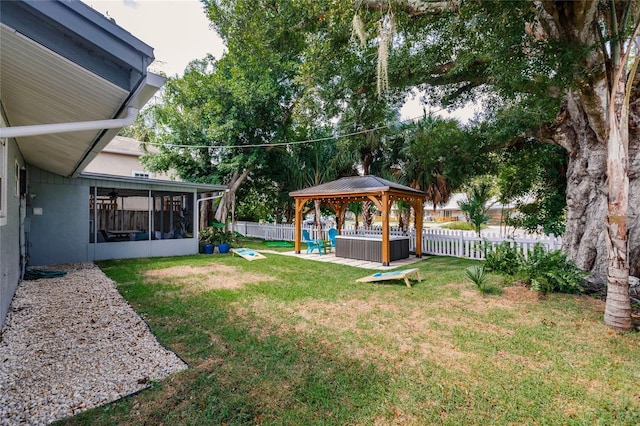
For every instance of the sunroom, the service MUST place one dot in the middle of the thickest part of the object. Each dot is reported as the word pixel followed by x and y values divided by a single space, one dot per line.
pixel 99 216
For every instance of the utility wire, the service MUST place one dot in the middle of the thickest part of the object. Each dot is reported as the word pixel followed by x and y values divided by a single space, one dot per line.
pixel 260 145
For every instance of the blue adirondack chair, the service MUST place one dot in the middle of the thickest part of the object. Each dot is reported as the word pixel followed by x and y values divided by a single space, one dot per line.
pixel 332 236
pixel 313 244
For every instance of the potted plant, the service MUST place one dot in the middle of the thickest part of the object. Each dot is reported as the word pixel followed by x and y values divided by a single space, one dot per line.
pixel 224 239
pixel 207 238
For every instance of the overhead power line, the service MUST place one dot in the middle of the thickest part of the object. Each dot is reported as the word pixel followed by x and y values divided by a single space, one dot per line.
pixel 273 144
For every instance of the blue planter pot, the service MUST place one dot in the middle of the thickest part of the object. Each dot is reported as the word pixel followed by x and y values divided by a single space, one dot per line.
pixel 224 247
pixel 208 248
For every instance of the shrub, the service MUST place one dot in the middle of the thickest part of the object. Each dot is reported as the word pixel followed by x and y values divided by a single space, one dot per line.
pixel 504 258
pixel 460 226
pixel 552 271
pixel 546 271
pixel 478 276
pixel 207 235
pixel 222 236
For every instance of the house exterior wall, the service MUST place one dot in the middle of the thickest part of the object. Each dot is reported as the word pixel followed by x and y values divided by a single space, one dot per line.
pixel 53 47
pixel 121 157
pixel 121 165
pixel 10 267
pixel 115 164
pixel 61 233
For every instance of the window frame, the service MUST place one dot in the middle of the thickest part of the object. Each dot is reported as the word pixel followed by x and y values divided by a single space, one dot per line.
pixel 140 174
pixel 16 172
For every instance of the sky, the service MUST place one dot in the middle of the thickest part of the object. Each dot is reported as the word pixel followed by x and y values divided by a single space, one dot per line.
pixel 179 32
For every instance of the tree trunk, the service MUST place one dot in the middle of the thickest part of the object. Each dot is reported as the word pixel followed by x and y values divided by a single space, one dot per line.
pixel 234 184
pixel 617 313
pixel 597 134
pixel 317 215
pixel 367 214
pixel 205 213
pixel 634 185
pixel 584 239
pixel 406 219
pixel 596 234
pixel 603 166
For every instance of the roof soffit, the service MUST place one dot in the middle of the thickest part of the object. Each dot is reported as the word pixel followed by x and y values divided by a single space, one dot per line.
pixel 39 87
pixel 63 62
pixel 77 32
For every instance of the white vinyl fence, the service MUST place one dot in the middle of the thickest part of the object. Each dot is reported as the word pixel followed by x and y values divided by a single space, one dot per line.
pixel 445 242
pixel 435 241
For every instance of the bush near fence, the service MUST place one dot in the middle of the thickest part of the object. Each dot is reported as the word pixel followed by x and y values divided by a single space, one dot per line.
pixel 435 241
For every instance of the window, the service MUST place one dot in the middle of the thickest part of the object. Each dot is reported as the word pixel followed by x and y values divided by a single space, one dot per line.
pixel 143 175
pixel 117 214
pixel 120 214
pixel 172 215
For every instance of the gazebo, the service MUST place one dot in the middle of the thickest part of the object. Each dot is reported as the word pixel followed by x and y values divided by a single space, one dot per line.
pixel 340 193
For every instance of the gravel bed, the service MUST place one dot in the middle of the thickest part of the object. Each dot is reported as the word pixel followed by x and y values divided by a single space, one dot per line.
pixel 72 343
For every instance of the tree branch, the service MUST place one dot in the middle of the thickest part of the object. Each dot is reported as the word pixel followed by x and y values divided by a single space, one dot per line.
pixel 415 7
pixel 440 75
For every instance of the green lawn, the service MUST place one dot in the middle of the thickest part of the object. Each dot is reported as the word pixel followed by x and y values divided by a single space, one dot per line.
pixel 292 342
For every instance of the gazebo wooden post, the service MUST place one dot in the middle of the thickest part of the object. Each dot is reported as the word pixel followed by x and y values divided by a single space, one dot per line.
pixel 419 207
pixel 386 254
pixel 298 226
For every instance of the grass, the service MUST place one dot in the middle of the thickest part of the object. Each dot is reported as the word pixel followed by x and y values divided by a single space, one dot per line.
pixel 258 244
pixel 295 342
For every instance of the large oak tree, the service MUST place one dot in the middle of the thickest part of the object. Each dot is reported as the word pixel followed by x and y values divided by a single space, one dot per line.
pixel 568 70
pixel 558 72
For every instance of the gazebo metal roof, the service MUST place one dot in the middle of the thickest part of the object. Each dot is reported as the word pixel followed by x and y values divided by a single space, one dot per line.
pixel 352 185
pixel 339 193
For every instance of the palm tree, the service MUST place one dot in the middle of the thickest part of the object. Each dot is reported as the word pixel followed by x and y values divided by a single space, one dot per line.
pixel 476 204
pixel 356 209
pixel 420 157
pixel 404 214
pixel 313 165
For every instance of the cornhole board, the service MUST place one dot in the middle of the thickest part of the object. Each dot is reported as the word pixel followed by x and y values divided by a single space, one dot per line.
pixel 402 274
pixel 248 254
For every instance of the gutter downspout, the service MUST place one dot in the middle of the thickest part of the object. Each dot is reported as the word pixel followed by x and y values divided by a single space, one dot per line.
pixel 45 129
